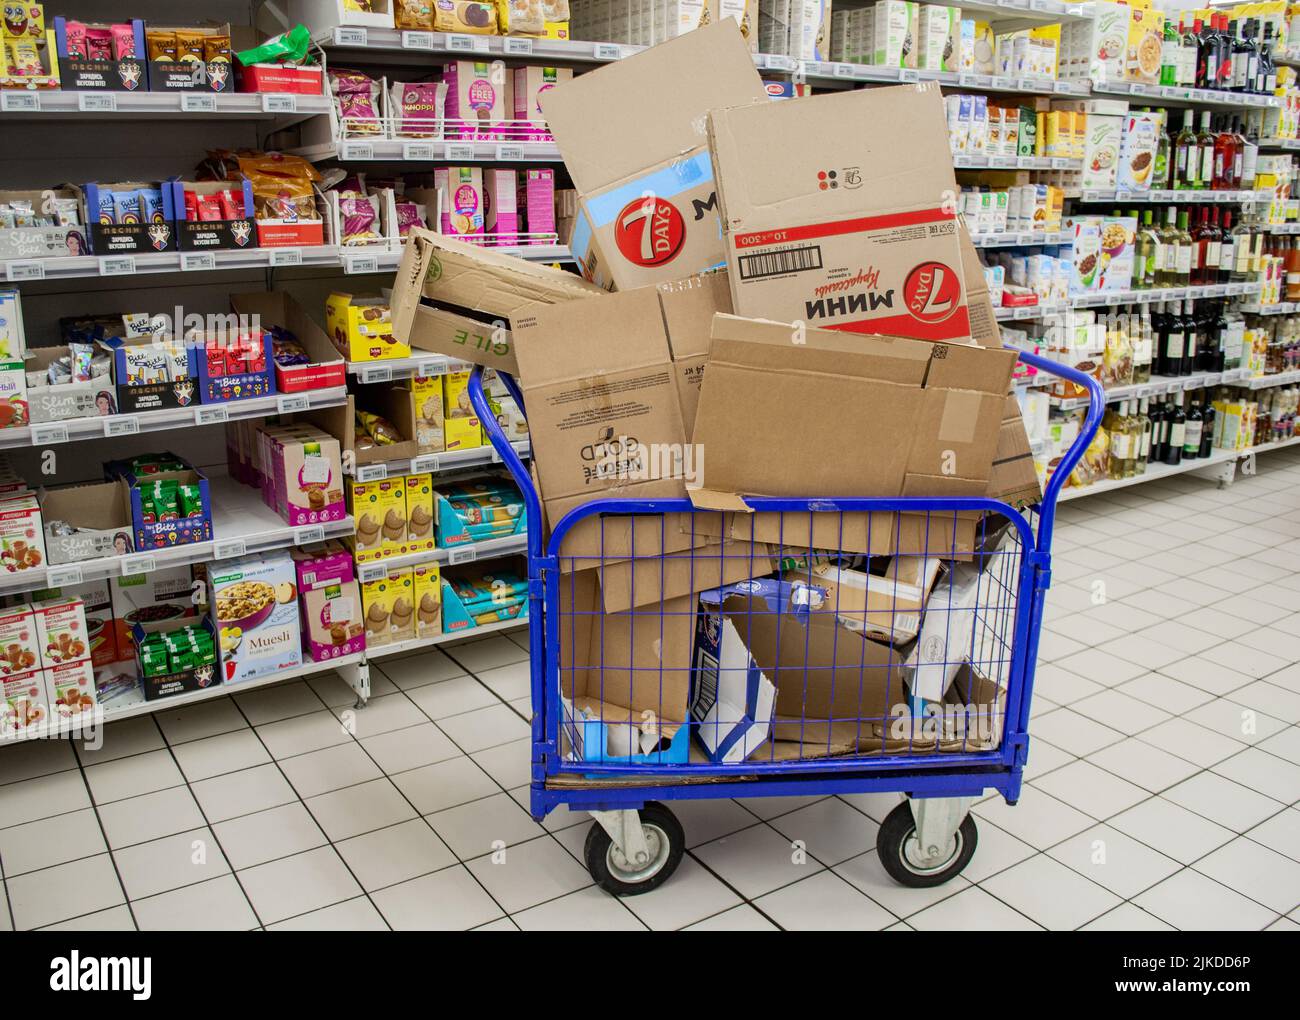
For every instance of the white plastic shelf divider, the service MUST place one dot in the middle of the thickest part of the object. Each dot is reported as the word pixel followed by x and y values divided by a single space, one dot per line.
pixel 1244 197
pixel 1018 239
pixel 422 364
pixel 1265 382
pixel 1280 308
pixel 1105 299
pixel 1159 385
pixel 415 644
pixel 351 259
pixel 154 105
pixel 241 524
pixel 400 150
pixel 435 463
pixel 1280 228
pixel 967 161
pixel 489 549
pixel 75 429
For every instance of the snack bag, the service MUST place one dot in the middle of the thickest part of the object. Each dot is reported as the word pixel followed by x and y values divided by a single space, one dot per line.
pixel 282 186
pixel 414 15
pixel 419 106
pixel 360 219
pixel 357 96
pixel 521 17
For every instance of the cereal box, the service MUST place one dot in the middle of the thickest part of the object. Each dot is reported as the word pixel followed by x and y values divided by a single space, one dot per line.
pixel 461 190
pixel 255 607
pixel 1146 28
pixel 163 595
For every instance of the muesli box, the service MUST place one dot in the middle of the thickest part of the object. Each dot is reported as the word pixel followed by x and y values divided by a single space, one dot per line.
pixel 255 607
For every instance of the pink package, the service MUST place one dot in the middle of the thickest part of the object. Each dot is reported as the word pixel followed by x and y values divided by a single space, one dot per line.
pixel 529 84
pixel 461 188
pixel 501 199
pixel 538 200
pixel 331 602
pixel 477 99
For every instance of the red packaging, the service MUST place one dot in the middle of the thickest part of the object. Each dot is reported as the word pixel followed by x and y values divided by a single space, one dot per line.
pixel 209 208
pixel 191 207
pixel 99 44
pixel 123 42
pixel 232 205
pixel 75 31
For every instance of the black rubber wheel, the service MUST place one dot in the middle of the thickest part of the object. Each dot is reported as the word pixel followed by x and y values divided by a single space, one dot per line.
pixel 665 841
pixel 899 853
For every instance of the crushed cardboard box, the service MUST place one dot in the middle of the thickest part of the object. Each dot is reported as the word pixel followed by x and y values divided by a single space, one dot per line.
pixel 886 607
pixel 848 228
pixel 632 137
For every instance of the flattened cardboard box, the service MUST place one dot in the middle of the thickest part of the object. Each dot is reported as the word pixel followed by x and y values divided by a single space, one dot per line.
pixel 606 422
pixel 476 279
pixel 688 309
pixel 632 136
pixel 920 419
pixel 841 226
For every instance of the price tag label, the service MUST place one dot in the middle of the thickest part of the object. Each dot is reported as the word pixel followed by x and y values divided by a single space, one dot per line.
pixel 286 257
pixel 510 153
pixel 375 374
pixel 279 102
pixel 97 102
pixel 20 102
pixel 48 435
pixel 426 464
pixel 121 425
pixel 607 51
pixel 516 46
pixel 961 160
pixel 422 151
pixel 417 40
pixel 15 272
pixel 60 576
pixel 371 472
pixel 1025 239
pixel 1008 3
pixel 211 415
pixel 197 261
pixel 460 43
pixel 117 265
pixel 198 102
pixel 141 563
pixel 354 264
pixel 1123 195
pixel 229 549
pixel 845 71
pixel 454 151
pixel 305 536
pixel 1026 312
pixel 367 572
pixel 998 82
pixel 1039 5
pixel 356 150
pixel 1002 161
pixel 350 37
pixel 462 554
pixel 292 403
pixel 432 366
pixel 908 75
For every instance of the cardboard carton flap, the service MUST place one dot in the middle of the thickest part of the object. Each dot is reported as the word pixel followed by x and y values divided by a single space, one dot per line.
pixel 592 339
pixel 459 336
pixel 708 499
pixel 688 309
pixel 475 278
pixel 634 113
pixel 961 367
pixel 890 163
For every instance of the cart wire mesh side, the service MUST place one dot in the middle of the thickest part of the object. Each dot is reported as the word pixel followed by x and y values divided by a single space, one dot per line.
pixel 810 646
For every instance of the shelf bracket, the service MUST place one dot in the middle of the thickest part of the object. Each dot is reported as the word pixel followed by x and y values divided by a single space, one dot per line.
pixel 357 676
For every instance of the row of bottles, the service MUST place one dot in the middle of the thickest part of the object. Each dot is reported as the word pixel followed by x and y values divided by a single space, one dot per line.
pixel 1188 337
pixel 1275 343
pixel 1217 52
pixel 1222 156
pixel 1275 416
pixel 1193 247
pixel 1168 432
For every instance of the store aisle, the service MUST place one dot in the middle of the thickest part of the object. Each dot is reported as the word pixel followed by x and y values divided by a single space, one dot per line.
pixel 1164 778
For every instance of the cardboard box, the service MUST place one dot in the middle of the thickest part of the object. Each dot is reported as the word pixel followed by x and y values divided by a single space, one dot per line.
pixel 331 602
pixel 461 427
pixel 925 417
pixel 832 686
pixel 24 702
pixel 885 607
pixel 14 410
pixel 830 227
pixel 22 542
pixel 632 137
pixel 688 308
pixel 255 608
pixel 20 649
pixel 362 328
pixel 70 688
pixel 1012 478
pixel 101 515
pixel 616 667
pixel 476 279
pixel 164 596
pixel 482 596
pixel 61 631
pixel 276 308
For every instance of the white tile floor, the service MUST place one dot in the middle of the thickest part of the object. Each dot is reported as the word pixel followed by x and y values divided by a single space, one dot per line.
pixel 1163 786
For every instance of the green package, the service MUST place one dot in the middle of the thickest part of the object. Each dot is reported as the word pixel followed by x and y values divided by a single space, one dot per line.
pixel 191 500
pixel 166 505
pixel 288 47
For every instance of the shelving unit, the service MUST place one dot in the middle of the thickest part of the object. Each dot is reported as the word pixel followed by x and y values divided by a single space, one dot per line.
pixel 1105 299
pixel 436 463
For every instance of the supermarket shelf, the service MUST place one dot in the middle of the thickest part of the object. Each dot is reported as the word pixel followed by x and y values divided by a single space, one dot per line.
pixel 1281 228
pixel 1281 308
pixel 1104 299
pixel 435 463
pixel 241 524
pixel 1265 382
pixel 397 150
pixel 1175 95
pixel 1022 239
pixel 1120 195
pixel 1279 143
pixel 75 429
pixel 423 364
pixel 489 549
pixel 71 105
pixel 964 161
pixel 1158 471
pixel 351 259
pixel 1159 385
pixel 416 644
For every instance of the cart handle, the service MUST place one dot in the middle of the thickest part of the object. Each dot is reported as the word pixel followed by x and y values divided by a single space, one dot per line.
pixel 487 417
pixel 1096 407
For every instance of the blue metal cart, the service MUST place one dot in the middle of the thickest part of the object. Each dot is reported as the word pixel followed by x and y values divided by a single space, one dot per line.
pixel 641 697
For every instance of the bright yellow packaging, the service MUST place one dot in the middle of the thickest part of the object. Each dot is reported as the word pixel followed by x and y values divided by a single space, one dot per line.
pixel 388 605
pixel 379 509
pixel 1146 27
pixel 427 594
pixel 362 328
pixel 419 513
pixel 426 398
pixel 461 427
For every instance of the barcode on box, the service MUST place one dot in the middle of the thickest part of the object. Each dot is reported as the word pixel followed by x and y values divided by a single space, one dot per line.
pixel 777 263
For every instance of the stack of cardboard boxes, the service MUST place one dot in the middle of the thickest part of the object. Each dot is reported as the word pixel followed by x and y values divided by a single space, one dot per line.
pixel 840 343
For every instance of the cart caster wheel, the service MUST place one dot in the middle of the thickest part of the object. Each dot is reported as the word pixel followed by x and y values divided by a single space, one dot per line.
pixel 665 842
pixel 903 858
